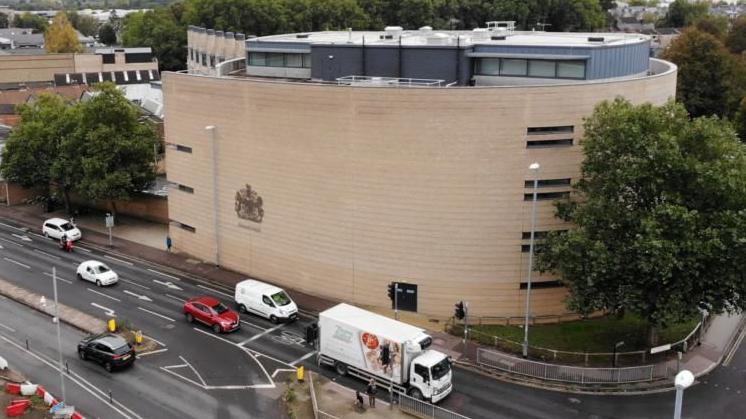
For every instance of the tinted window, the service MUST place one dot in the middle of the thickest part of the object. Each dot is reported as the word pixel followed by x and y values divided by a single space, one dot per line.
pixel 220 308
pixel 122 350
pixel 67 226
pixel 267 301
pixel 103 348
pixel 441 369
pixel 421 371
pixel 281 299
pixel 102 269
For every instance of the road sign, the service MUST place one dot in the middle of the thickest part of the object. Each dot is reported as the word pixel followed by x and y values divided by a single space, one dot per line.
pixel 109 220
pixel 661 348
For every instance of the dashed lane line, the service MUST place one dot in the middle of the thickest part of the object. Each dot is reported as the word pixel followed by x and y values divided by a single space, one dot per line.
pixel 11 242
pixel 58 278
pixel 83 249
pixel 8 328
pixel 119 260
pixel 17 263
pixel 303 358
pixel 157 314
pixel 164 274
pixel 253 325
pixel 214 290
pixel 13 227
pixel 46 254
pixel 181 300
pixel 104 295
pixel 257 336
pixel 134 283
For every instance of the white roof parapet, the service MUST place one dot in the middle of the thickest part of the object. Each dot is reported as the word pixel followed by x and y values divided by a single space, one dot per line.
pixel 369 81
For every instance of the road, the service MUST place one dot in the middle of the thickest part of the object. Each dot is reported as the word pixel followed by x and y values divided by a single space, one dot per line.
pixel 200 374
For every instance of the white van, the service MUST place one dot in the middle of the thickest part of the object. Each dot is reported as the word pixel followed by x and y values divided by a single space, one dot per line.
pixel 266 300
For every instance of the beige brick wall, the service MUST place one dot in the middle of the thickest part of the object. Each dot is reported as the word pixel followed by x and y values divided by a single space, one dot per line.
pixel 363 186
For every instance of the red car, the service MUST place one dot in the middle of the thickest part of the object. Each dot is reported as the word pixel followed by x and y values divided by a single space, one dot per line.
pixel 213 313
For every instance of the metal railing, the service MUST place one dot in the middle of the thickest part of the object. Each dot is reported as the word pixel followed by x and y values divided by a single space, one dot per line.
pixel 317 413
pixel 572 374
pixel 422 409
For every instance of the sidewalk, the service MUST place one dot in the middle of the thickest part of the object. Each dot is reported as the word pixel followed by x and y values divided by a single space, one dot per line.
pixel 146 240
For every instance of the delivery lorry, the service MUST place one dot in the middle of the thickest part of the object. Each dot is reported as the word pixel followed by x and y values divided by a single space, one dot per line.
pixel 364 344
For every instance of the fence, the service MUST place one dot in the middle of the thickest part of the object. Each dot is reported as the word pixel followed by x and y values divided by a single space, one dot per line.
pixel 585 358
pixel 571 374
pixel 317 414
pixel 422 409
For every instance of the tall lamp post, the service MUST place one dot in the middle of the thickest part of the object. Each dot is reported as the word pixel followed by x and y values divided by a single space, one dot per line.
pixel 534 167
pixel 683 380
pixel 211 129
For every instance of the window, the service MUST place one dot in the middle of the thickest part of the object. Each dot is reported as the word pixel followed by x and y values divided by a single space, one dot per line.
pixel 565 129
pixel 267 301
pixel 108 58
pixel 513 67
pixel 549 143
pixel 275 59
pixel 422 372
pixel 542 285
pixel 542 68
pixel 548 183
pixel 488 66
pixel 538 235
pixel 257 58
pixel 212 61
pixel 571 69
pixel 306 60
pixel 204 59
pixel 184 226
pixel 186 189
pixel 293 60
pixel 278 59
pixel 525 248
pixel 544 196
pixel 183 148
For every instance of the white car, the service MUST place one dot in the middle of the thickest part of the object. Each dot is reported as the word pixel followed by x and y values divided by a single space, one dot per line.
pixel 56 227
pixel 98 272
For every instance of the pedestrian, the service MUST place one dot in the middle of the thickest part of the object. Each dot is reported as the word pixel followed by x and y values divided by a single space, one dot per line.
pixel 169 243
pixel 371 390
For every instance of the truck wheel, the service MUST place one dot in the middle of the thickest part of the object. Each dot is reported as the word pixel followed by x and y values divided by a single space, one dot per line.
pixel 242 308
pixel 415 393
pixel 341 368
pixel 273 319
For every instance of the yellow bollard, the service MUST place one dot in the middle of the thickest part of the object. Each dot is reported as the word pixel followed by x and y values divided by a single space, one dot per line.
pixel 299 373
pixel 138 337
pixel 112 325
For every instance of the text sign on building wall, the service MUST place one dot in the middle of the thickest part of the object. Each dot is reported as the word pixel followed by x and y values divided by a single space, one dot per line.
pixel 406 298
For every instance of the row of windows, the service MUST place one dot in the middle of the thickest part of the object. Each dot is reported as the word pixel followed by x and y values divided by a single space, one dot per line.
pixel 203 58
pixel 183 226
pixel 517 67
pixel 548 183
pixel 542 284
pixel 564 129
pixel 184 188
pixel 566 142
pixel 545 196
pixel 279 59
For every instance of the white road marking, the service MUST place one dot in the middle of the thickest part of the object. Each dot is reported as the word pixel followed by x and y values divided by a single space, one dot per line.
pixel 215 291
pixel 108 311
pixel 7 328
pixel 157 351
pixel 17 263
pixel 258 354
pixel 22 237
pixel 10 226
pixel 204 384
pixel 156 314
pixel 164 274
pixel 255 337
pixel 734 349
pixel 1 246
pixel 118 260
pixel 83 249
pixel 155 340
pixel 169 284
pixel 11 242
pixel 254 325
pixel 46 254
pixel 282 369
pixel 58 278
pixel 77 379
pixel 303 358
pixel 104 295
pixel 133 283
pixel 138 296
pixel 181 300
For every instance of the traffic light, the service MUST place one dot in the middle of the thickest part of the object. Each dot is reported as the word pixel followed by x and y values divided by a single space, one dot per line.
pixel 460 312
pixel 392 290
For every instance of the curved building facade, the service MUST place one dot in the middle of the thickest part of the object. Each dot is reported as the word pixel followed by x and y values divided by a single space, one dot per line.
pixel 339 188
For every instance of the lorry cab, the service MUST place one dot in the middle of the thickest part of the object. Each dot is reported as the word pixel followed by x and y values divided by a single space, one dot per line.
pixel 430 376
pixel 265 300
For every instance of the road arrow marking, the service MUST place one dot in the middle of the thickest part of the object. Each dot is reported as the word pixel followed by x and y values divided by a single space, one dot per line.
pixel 22 237
pixel 104 295
pixel 169 284
pixel 58 278
pixel 141 297
pixel 107 311
pixel 156 314
pixel 166 275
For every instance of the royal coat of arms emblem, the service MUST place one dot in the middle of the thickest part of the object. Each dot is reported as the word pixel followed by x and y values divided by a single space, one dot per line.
pixel 249 205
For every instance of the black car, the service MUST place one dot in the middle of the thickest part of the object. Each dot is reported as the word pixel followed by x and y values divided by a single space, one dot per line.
pixel 110 350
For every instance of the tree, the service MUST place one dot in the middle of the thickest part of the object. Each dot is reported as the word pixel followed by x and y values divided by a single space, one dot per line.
pixel 660 212
pixel 61 37
pixel 684 13
pixel 736 39
pixel 3 20
pixel 106 34
pixel 704 68
pixel 113 149
pixel 714 25
pixel 85 24
pixel 30 21
pixel 739 122
pixel 31 156
pixel 161 30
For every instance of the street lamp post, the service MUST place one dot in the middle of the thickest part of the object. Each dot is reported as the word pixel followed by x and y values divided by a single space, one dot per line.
pixel 534 167
pixel 216 202
pixel 616 347
pixel 59 333
pixel 683 380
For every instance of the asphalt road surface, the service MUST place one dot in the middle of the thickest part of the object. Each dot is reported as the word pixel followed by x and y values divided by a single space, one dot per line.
pixel 196 373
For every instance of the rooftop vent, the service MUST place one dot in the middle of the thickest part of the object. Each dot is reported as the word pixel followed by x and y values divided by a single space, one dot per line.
pixel 393 31
pixel 426 29
pixel 595 39
pixel 504 26
pixel 498 37
pixel 302 35
pixel 480 34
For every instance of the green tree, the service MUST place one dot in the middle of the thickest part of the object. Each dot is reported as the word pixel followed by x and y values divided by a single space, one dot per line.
pixel 3 20
pixel 713 24
pixel 660 212
pixel 739 121
pixel 106 34
pixel 160 29
pixel 30 21
pixel 704 69
pixel 31 156
pixel 736 38
pixel 61 37
pixel 113 149
pixel 85 24
pixel 684 13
